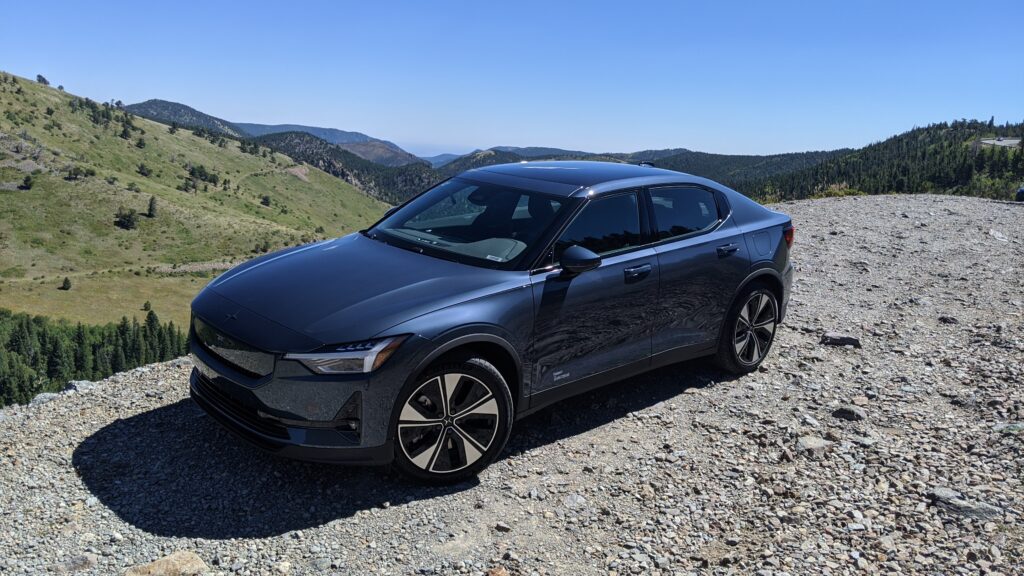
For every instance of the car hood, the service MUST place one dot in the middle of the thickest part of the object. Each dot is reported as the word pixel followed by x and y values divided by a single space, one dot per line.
pixel 351 288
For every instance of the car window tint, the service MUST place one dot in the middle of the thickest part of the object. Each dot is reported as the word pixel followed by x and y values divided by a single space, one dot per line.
pixel 684 210
pixel 605 225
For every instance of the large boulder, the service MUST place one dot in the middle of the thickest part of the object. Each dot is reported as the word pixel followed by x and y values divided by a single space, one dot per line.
pixel 181 563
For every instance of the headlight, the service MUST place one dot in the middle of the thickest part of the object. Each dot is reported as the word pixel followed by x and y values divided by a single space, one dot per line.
pixel 354 358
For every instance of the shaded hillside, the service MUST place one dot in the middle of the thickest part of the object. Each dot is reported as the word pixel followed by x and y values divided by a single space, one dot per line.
pixel 945 157
pixel 366 147
pixel 184 116
pixel 78 179
pixel 736 169
pixel 389 184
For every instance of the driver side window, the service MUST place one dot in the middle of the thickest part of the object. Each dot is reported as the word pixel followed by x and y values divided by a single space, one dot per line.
pixel 605 226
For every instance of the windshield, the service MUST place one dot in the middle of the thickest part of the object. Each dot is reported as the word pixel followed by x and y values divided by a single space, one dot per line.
pixel 473 222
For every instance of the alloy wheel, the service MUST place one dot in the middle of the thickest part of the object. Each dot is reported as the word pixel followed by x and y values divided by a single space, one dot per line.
pixel 755 328
pixel 448 423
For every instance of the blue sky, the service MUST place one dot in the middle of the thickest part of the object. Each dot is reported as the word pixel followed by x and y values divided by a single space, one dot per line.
pixel 730 77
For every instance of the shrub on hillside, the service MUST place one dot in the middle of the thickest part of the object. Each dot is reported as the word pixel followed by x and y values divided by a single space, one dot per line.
pixel 126 219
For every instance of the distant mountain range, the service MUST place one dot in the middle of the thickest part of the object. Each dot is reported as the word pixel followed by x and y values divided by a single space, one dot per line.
pixel 440 159
pixel 367 147
pixel 944 157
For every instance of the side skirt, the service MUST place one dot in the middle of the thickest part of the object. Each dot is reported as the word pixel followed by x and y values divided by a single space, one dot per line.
pixel 546 398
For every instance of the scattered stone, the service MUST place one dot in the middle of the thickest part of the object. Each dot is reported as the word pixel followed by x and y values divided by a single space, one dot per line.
pixel 502 527
pixel 79 386
pixel 812 445
pixel 850 412
pixel 954 502
pixel 574 501
pixel 180 563
pixel 85 561
pixel 998 235
pixel 948 320
pixel 43 398
pixel 836 339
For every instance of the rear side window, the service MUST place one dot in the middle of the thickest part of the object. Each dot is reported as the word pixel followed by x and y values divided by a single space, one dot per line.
pixel 605 225
pixel 683 210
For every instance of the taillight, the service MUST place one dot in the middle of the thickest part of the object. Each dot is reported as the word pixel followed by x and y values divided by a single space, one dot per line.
pixel 787 233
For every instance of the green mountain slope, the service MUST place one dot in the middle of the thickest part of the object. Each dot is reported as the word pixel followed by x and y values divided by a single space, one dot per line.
pixel 170 113
pixel 945 157
pixel 215 202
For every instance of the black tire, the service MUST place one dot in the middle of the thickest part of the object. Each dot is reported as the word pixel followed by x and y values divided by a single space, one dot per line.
pixel 757 335
pixel 442 444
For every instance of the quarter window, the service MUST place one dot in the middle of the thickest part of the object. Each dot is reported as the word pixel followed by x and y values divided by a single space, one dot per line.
pixel 604 226
pixel 683 210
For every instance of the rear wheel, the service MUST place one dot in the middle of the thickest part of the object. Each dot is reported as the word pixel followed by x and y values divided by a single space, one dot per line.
pixel 452 421
pixel 749 330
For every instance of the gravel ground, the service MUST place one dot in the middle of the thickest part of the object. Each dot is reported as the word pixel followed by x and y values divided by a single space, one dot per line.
pixel 902 455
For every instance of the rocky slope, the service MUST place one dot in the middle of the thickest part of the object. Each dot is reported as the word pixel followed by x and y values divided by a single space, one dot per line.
pixel 900 452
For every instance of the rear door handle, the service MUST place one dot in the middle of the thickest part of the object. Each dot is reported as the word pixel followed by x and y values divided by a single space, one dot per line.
pixel 637 272
pixel 727 249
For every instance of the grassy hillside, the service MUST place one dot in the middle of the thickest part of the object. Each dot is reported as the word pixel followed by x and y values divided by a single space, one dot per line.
pixel 215 203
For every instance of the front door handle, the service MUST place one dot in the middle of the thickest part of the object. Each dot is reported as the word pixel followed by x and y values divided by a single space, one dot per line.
pixel 727 249
pixel 637 272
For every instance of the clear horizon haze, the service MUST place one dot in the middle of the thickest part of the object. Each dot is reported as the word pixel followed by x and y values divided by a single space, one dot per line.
pixel 724 77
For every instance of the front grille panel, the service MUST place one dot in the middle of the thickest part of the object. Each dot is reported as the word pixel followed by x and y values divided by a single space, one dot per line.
pixel 239 355
pixel 237 409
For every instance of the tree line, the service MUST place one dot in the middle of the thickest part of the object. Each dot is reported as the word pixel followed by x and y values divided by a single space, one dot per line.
pixel 945 157
pixel 38 354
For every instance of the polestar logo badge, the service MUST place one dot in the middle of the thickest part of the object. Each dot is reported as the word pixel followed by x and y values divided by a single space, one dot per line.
pixel 232 316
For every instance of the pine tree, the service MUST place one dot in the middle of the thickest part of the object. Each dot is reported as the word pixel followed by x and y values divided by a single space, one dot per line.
pixel 83 353
pixel 61 362
pixel 66 284
pixel 152 337
pixel 151 212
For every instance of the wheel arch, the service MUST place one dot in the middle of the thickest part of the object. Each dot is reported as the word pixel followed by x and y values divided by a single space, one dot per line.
pixel 767 275
pixel 491 347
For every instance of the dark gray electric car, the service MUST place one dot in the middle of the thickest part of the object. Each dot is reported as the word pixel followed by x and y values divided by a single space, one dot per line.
pixel 423 338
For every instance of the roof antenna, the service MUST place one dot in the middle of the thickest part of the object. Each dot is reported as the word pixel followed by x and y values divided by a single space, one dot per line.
pixel 646 163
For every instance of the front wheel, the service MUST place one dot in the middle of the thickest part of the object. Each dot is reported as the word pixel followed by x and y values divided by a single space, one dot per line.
pixel 749 330
pixel 452 421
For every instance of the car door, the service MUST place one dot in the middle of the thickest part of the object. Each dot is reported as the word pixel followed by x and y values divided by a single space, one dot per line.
pixel 598 320
pixel 702 258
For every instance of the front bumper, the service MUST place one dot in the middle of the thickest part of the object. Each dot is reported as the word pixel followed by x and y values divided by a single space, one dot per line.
pixel 296 414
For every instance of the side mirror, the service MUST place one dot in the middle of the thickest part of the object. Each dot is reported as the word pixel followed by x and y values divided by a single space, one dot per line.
pixel 576 260
pixel 390 211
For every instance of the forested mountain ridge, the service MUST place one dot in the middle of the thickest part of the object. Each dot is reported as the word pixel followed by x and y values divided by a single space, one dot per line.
pixel 366 147
pixel 173 113
pixel 946 157
pixel 392 184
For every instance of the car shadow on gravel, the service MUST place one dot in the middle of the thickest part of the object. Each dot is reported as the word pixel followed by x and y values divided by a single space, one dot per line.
pixel 173 471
